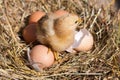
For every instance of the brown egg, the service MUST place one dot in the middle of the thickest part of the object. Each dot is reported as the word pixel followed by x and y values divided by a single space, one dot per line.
pixel 36 16
pixel 41 57
pixel 83 40
pixel 29 33
pixel 59 13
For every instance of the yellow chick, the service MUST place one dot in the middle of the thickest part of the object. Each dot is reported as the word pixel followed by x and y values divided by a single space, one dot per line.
pixel 57 32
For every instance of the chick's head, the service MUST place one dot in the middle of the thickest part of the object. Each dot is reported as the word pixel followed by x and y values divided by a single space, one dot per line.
pixel 66 23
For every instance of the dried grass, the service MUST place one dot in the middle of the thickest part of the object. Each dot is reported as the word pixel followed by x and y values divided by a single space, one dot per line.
pixel 102 62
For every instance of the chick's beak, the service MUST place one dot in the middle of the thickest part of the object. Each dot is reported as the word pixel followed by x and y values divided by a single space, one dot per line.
pixel 79 21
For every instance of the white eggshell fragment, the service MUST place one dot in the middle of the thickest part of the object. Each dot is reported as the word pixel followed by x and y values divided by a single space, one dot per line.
pixel 83 41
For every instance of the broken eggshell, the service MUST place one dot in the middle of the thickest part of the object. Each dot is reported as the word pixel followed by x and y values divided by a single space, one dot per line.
pixel 83 41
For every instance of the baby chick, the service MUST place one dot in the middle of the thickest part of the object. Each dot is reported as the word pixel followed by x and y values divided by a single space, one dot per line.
pixel 57 32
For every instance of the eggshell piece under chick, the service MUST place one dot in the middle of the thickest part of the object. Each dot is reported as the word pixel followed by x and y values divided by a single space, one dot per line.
pixel 36 16
pixel 41 57
pixel 29 33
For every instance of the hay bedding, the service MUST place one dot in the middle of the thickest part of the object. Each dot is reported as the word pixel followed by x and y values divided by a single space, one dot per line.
pixel 101 63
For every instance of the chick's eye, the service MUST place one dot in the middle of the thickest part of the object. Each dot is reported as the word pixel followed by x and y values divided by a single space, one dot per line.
pixel 76 22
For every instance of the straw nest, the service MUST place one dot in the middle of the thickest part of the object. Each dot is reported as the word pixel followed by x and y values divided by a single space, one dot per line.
pixel 102 62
